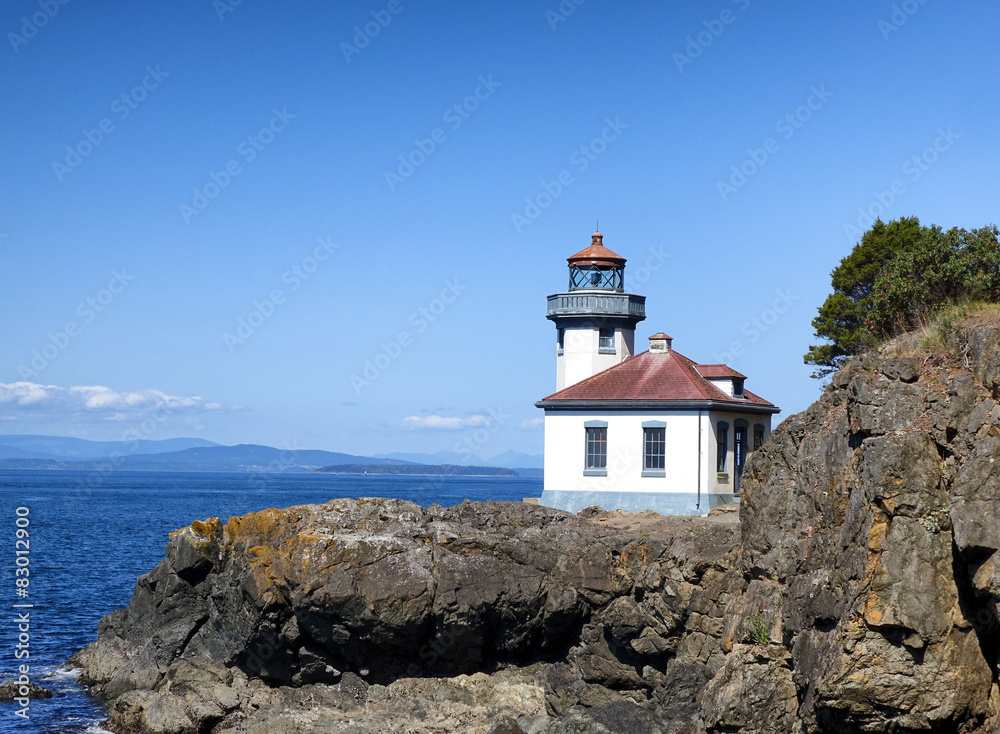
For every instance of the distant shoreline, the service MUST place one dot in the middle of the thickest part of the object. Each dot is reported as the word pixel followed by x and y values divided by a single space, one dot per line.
pixel 418 470
pixel 385 474
pixel 297 473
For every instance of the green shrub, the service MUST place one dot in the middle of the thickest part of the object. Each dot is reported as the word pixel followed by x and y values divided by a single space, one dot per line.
pixel 759 628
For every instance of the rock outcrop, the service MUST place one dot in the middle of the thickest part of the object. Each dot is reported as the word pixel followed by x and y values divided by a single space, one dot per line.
pixel 385 605
pixel 11 690
pixel 860 592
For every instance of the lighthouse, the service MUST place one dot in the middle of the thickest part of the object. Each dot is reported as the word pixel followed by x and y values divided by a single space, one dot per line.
pixel 648 431
pixel 595 318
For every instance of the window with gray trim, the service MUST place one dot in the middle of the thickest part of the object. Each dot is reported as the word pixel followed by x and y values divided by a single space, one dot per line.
pixel 758 436
pixel 722 441
pixel 654 442
pixel 606 340
pixel 597 448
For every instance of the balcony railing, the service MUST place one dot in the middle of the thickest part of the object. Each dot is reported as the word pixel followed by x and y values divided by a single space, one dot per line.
pixel 596 304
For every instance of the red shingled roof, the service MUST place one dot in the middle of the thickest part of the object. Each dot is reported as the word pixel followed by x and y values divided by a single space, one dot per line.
pixel 718 370
pixel 648 376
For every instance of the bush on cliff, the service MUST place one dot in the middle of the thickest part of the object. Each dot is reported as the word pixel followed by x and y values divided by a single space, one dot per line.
pixel 894 279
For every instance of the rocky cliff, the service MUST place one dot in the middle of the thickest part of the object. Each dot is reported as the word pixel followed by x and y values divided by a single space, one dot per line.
pixel 378 615
pixel 859 593
pixel 869 534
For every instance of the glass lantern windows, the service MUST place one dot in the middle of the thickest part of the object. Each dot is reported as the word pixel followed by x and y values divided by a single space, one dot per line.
pixel 594 276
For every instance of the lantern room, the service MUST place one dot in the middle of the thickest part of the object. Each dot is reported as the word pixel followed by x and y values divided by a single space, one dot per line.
pixel 597 268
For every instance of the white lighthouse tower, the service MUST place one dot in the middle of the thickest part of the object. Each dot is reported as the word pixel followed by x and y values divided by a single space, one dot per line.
pixel 595 319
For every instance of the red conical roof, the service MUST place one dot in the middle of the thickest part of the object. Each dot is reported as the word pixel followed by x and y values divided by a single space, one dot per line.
pixel 597 254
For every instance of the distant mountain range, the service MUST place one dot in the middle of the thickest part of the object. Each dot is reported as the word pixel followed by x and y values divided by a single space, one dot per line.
pixel 194 454
pixel 53 447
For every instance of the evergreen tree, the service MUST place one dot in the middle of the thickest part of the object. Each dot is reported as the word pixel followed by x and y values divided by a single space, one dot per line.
pixel 895 278
pixel 843 319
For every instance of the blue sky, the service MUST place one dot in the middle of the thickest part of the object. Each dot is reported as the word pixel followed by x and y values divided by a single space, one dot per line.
pixel 188 165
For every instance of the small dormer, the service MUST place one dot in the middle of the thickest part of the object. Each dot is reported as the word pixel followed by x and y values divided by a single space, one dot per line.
pixel 660 343
pixel 725 378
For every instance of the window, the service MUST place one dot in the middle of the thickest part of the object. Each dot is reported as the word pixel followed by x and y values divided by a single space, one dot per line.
pixel 654 449
pixel 561 339
pixel 737 387
pixel 606 340
pixel 722 439
pixel 597 450
pixel 758 436
pixel 593 276
pixel 740 428
pixel 740 446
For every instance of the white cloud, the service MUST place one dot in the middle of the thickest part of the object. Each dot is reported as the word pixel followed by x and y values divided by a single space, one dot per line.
pixel 446 423
pixel 532 424
pixel 30 396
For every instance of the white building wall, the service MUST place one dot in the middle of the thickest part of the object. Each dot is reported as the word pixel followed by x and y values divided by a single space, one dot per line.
pixel 565 452
pixel 690 475
pixel 580 356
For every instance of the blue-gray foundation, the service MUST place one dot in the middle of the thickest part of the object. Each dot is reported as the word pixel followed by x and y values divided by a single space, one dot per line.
pixel 666 503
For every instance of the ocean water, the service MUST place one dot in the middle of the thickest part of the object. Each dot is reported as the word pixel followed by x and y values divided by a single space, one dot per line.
pixel 93 535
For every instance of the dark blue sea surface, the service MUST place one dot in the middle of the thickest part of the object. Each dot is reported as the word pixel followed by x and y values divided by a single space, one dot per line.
pixel 92 535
